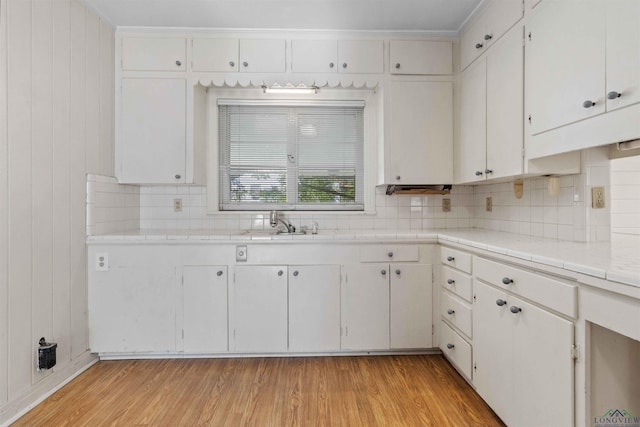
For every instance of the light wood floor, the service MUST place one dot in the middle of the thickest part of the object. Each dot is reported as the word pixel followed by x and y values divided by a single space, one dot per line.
pixel 302 391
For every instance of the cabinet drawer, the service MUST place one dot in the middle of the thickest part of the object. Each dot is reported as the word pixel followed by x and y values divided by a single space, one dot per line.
pixel 460 352
pixel 389 253
pixel 554 294
pixel 456 259
pixel 456 312
pixel 457 282
pixel 154 54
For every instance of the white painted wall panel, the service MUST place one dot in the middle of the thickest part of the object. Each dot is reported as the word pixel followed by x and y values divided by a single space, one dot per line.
pixel 56 125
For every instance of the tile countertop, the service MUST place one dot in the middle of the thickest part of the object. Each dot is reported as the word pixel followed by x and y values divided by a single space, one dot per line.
pixel 616 261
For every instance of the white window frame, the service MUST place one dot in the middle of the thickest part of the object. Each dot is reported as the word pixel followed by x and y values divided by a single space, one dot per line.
pixel 370 148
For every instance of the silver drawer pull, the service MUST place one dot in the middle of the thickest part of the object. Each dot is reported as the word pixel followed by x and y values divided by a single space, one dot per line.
pixel 507 280
pixel 451 281
pixel 450 312
pixel 514 309
pixel 450 346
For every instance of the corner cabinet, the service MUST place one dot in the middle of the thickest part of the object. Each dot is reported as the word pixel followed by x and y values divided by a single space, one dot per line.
pixel 418 146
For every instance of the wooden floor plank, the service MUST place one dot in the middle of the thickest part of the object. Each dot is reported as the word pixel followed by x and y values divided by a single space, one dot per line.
pixel 297 391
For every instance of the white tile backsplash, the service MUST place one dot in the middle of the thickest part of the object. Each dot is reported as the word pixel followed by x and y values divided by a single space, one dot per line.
pixel 111 207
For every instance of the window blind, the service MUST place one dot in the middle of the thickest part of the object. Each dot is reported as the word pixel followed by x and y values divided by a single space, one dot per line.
pixel 291 157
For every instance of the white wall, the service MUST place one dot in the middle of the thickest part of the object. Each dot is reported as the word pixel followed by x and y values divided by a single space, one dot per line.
pixel 625 196
pixel 56 125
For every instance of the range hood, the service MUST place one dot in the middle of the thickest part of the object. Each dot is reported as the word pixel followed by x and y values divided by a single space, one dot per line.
pixel 418 189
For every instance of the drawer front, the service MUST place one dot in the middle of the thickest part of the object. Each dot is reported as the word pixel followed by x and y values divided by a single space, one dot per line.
pixel 387 253
pixel 457 282
pixel 460 352
pixel 554 294
pixel 456 312
pixel 456 259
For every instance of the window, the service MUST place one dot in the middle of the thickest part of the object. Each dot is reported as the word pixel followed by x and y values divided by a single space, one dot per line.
pixel 296 157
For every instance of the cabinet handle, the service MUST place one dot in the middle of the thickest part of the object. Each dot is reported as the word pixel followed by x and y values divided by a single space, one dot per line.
pixel 390 254
pixel 398 272
pixel 245 64
pixel 178 176
pixel 398 66
pixel 488 171
pixel 479 173
pixel 450 259
pixel 451 281
pixel 280 273
pixel 450 346
pixel 613 95
pixel 219 273
pixel 331 65
pixel 514 309
pixel 588 104
pixel 478 45
pixel 295 273
pixel 500 302
pixel 507 280
pixel 383 272
pixel 488 36
pixel 398 177
pixel 450 311
pixel 344 65
pixel 232 64
pixel 178 63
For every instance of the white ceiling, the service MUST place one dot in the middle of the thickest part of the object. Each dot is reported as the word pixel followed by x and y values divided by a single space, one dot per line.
pixel 438 16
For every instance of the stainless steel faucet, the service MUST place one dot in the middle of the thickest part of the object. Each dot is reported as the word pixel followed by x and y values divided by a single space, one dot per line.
pixel 273 220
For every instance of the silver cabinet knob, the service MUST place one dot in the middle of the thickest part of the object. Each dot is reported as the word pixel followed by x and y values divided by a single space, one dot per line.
pixel 450 259
pixel 451 281
pixel 488 36
pixel 398 272
pixel 178 176
pixel 613 95
pixel 219 273
pixel 488 171
pixel 295 273
pixel 514 309
pixel 245 64
pixel 398 177
pixel 450 346
pixel 397 66
pixel 507 280
pixel 479 173
pixel 450 311
pixel 344 65
pixel 390 254
pixel 479 45
pixel 500 302
pixel 232 64
pixel 588 104
pixel 280 273
pixel 331 65
pixel 178 63
pixel 383 272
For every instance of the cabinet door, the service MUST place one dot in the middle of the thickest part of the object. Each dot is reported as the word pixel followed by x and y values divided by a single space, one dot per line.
pixel 204 309
pixel 217 55
pixel 411 306
pixel 260 309
pixel 154 54
pixel 420 57
pixel 543 367
pixel 472 42
pixel 505 98
pixel 152 139
pixel 492 349
pixel 419 142
pixel 623 52
pixel 567 73
pixel 360 56
pixel 365 307
pixel 500 17
pixel 470 154
pixel 133 309
pixel 314 56
pixel 262 56
pixel 314 308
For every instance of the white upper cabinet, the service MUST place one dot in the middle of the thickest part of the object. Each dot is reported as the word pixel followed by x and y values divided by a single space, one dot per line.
pixel 566 63
pixel 215 54
pixel 262 56
pixel 623 53
pixel 154 54
pixel 418 147
pixel 495 20
pixel 314 56
pixel 420 57
pixel 360 56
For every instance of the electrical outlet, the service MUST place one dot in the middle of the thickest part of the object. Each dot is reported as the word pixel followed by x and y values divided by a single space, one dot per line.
pixel 488 204
pixel 102 261
pixel 177 205
pixel 597 197
pixel 446 205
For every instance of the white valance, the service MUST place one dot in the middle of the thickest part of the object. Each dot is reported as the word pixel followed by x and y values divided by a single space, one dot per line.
pixel 345 82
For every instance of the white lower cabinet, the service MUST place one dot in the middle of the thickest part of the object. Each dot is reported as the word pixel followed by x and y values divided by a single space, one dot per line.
pixel 410 306
pixel 204 310
pixel 260 309
pixel 523 365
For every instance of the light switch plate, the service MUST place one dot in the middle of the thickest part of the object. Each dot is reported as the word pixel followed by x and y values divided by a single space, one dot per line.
pixel 489 204
pixel 446 205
